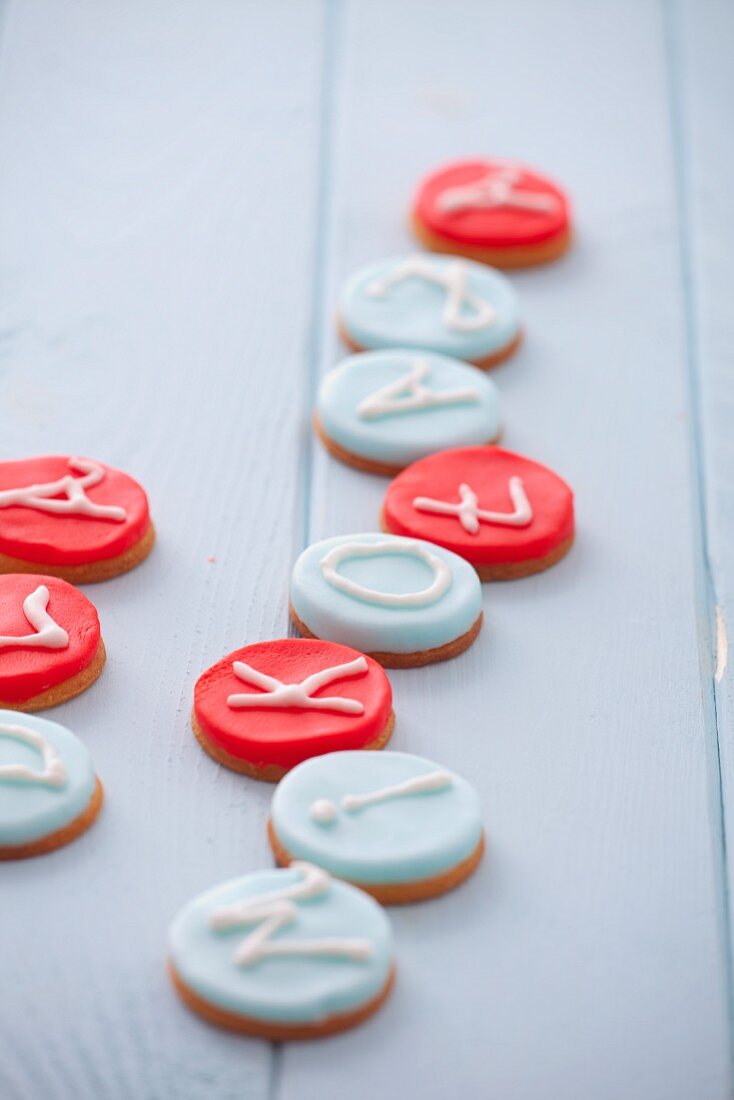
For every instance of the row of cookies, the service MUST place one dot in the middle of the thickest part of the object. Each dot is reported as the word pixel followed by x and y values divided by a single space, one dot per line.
pixel 305 711
pixel 63 519
pixel 352 831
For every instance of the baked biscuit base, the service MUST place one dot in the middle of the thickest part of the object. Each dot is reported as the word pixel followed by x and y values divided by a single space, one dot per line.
pixel 90 572
pixel 515 256
pixel 67 689
pixel 410 660
pixel 268 1029
pixel 270 773
pixel 399 893
pixel 513 570
pixel 487 363
pixel 367 465
pixel 62 836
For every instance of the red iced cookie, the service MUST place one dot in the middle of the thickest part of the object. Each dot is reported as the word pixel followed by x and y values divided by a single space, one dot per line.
pixel 267 707
pixel 71 517
pixel 496 211
pixel 50 643
pixel 507 515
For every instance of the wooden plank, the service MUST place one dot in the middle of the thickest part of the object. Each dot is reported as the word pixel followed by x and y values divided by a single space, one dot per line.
pixel 585 959
pixel 156 197
pixel 700 48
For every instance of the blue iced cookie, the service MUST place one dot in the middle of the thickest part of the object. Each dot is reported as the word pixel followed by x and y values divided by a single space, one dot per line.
pixel 49 793
pixel 382 410
pixel 282 954
pixel 398 826
pixel 405 602
pixel 431 303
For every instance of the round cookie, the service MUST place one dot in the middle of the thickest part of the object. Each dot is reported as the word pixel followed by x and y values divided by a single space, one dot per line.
pixel 72 518
pixel 382 410
pixel 398 826
pixel 283 954
pixel 405 602
pixel 495 211
pixel 51 647
pixel 49 793
pixel 431 303
pixel 507 515
pixel 267 707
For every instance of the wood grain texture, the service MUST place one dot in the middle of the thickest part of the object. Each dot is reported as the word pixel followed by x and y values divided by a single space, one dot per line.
pixel 184 186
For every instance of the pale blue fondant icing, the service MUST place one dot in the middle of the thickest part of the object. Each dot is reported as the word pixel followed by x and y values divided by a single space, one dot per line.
pixel 405 436
pixel 403 840
pixel 30 811
pixel 333 614
pixel 285 989
pixel 410 313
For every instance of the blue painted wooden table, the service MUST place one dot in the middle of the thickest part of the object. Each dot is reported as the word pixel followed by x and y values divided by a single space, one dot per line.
pixel 183 187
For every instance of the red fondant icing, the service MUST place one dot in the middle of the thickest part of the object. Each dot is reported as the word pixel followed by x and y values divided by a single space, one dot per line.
pixel 487 471
pixel 27 672
pixel 287 736
pixel 54 539
pixel 488 227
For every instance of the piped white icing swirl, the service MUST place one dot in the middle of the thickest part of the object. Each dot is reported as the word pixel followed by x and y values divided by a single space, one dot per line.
pixel 42 497
pixel 408 393
pixel 324 812
pixel 277 694
pixel 275 910
pixel 469 514
pixel 464 310
pixel 53 773
pixel 496 188
pixel 49 635
pixel 404 547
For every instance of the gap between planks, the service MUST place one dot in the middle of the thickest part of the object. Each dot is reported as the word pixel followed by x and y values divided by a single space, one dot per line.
pixel 708 614
pixel 318 306
pixel 314 344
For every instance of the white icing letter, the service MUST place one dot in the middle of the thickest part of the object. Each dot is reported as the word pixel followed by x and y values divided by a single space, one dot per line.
pixel 323 811
pixel 273 911
pixel 496 188
pixel 278 694
pixel 454 278
pixel 469 514
pixel 76 502
pixel 53 773
pixel 49 635
pixel 406 548
pixel 408 393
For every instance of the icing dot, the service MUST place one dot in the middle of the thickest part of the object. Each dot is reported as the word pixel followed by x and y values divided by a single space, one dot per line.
pixel 323 811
